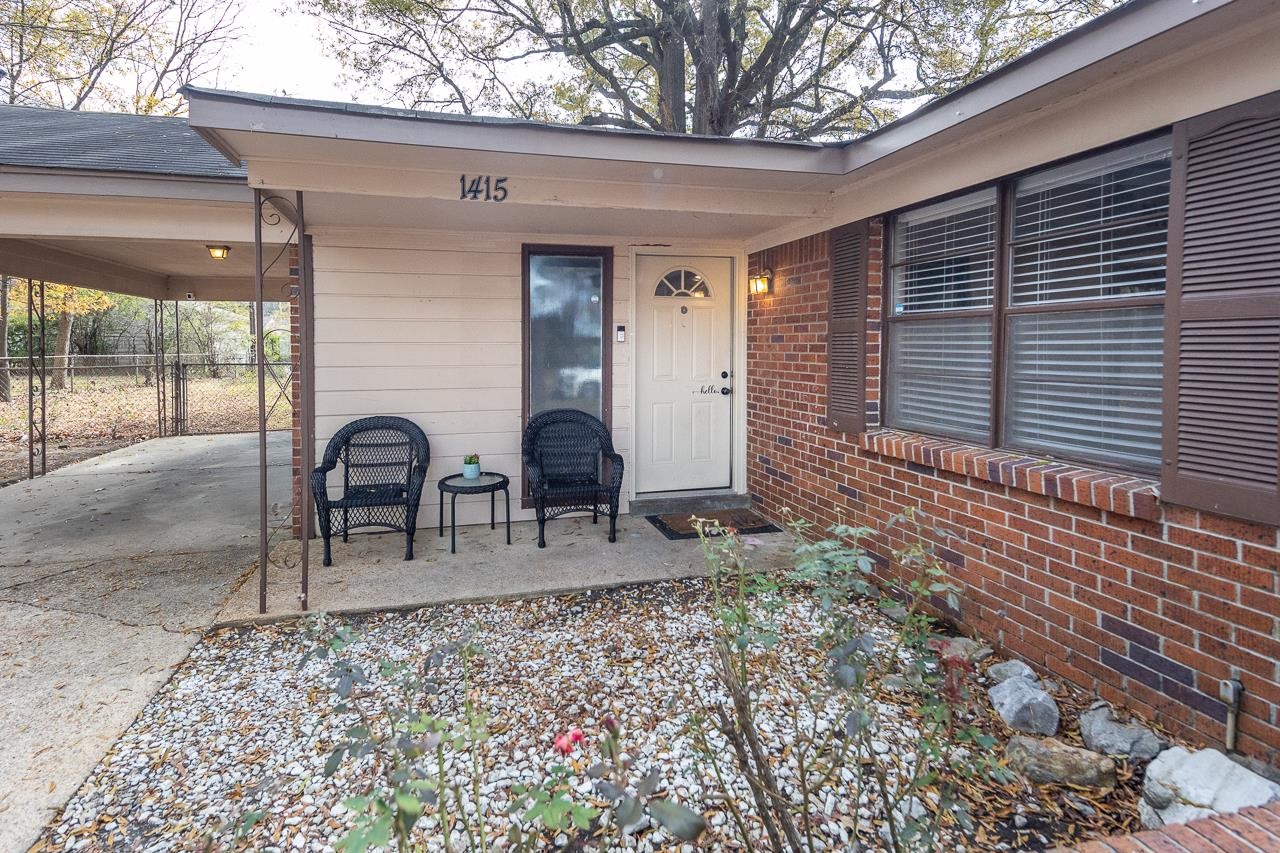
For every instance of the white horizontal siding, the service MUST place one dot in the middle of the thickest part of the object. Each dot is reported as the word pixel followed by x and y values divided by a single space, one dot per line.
pixel 440 260
pixel 384 353
pixel 435 330
pixel 428 327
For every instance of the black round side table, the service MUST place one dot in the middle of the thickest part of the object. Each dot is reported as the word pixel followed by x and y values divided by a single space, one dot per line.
pixel 459 485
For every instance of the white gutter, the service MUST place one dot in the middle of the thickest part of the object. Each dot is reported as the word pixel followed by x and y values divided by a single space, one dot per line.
pixel 215 113
pixel 25 179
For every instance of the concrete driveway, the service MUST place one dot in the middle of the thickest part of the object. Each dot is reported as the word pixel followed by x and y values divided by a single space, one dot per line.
pixel 110 570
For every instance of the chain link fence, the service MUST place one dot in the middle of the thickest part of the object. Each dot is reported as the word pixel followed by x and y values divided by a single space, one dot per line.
pixel 218 397
pixel 94 403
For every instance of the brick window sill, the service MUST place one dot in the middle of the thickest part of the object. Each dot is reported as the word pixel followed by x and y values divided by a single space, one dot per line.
pixel 1120 493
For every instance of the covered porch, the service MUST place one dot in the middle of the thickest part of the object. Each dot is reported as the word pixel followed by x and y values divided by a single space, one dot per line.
pixel 465 274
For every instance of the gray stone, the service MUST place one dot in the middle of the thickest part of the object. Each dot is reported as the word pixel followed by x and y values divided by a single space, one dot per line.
pixel 1102 732
pixel 897 683
pixel 894 611
pixel 1005 670
pixel 909 811
pixel 961 647
pixel 1181 786
pixel 1025 707
pixel 1049 760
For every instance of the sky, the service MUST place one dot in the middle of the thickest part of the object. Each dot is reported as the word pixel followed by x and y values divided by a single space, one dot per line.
pixel 279 52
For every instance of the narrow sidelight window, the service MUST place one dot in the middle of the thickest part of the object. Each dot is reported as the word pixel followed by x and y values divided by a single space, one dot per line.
pixel 567 292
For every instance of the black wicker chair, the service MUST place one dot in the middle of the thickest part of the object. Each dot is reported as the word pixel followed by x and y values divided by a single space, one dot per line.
pixel 565 452
pixel 384 464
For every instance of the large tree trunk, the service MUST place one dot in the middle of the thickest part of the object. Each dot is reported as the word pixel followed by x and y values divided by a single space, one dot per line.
pixel 61 349
pixel 6 394
pixel 669 49
pixel 706 71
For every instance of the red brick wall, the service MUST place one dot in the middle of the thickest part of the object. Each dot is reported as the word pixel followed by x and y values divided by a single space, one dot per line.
pixel 1081 573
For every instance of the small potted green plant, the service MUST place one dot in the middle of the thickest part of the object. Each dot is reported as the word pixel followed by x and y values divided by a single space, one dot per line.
pixel 471 466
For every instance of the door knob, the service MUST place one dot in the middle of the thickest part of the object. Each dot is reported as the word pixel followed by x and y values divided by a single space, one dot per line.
pixel 724 374
pixel 726 391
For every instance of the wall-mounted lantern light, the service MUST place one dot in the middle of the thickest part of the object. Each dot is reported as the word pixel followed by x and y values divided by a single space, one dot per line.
pixel 219 253
pixel 762 282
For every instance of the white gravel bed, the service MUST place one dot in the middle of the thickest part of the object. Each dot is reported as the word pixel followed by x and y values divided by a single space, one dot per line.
pixel 240 727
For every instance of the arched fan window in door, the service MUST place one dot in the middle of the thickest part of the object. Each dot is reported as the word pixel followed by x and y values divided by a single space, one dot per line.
pixel 683 283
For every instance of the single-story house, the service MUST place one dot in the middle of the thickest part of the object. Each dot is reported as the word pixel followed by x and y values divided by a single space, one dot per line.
pixel 1045 309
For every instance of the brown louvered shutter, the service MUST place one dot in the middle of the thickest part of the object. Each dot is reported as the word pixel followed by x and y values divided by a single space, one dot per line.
pixel 1222 315
pixel 846 339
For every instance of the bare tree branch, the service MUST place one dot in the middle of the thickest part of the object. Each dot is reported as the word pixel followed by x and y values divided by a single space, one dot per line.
pixel 765 68
pixel 128 55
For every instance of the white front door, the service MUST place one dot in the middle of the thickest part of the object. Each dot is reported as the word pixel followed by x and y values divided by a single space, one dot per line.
pixel 684 373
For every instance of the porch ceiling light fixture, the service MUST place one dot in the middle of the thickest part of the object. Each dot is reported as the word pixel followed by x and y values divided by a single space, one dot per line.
pixel 219 253
pixel 762 282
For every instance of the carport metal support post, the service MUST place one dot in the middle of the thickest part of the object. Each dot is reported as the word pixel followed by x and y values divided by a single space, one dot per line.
pixel 305 288
pixel 162 403
pixel 260 345
pixel 36 380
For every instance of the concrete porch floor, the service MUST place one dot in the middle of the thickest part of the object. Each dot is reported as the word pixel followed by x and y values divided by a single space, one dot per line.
pixel 369 572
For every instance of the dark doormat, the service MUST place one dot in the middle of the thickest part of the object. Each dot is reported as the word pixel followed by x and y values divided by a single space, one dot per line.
pixel 678 526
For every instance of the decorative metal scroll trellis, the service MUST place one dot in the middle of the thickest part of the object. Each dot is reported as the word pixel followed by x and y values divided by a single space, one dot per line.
pixel 37 380
pixel 271 211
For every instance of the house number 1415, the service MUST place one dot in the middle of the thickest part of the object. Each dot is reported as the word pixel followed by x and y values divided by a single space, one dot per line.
pixel 482 188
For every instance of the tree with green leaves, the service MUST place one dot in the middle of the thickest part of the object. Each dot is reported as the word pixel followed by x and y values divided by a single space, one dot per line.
pixel 790 69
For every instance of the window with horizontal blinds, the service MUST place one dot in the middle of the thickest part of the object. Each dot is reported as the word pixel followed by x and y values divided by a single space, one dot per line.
pixel 942 377
pixel 944 255
pixel 1069 264
pixel 943 263
pixel 1086 384
pixel 1095 229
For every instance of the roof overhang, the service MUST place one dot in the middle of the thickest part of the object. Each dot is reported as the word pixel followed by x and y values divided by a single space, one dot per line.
pixel 371 167
pixel 399 170
pixel 26 179
pixel 1140 31
pixel 228 119
pixel 138 234
pixel 1138 71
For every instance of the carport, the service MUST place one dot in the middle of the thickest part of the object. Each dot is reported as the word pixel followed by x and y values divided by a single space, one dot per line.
pixel 110 569
pixel 134 205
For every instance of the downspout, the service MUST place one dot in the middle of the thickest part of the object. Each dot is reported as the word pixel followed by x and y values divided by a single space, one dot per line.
pixel 1231 691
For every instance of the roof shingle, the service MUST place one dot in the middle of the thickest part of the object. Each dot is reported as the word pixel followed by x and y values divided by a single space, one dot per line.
pixel 107 142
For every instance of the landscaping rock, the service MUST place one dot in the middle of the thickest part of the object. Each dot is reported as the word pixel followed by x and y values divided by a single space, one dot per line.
pixel 1181 786
pixel 1025 707
pixel 1102 732
pixel 1005 670
pixel 896 612
pixel 897 683
pixel 961 647
pixel 1049 760
pixel 905 813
